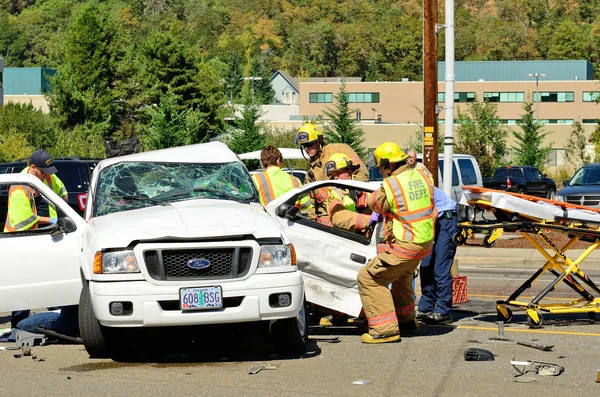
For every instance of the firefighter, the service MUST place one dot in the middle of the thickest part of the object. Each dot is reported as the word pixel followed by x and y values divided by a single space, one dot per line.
pixel 273 182
pixel 310 139
pixel 344 207
pixel 406 202
pixel 24 202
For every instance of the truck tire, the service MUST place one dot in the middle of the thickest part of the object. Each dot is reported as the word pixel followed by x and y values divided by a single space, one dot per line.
pixel 521 191
pixel 290 335
pixel 551 194
pixel 95 336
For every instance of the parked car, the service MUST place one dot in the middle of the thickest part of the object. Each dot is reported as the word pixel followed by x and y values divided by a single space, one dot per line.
pixel 465 171
pixel 75 173
pixel 171 238
pixel 583 188
pixel 522 179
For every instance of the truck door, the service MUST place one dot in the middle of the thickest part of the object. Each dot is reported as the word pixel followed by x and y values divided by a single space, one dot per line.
pixel 40 268
pixel 535 184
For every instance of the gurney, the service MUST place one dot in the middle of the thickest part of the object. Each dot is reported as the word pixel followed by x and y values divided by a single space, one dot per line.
pixel 532 216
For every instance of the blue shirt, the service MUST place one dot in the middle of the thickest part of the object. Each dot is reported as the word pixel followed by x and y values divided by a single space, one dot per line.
pixel 442 202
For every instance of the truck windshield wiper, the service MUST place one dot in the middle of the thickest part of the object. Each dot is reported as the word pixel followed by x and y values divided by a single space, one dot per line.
pixel 144 198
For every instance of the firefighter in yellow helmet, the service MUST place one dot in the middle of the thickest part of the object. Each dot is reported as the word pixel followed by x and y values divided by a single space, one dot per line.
pixel 345 207
pixel 405 200
pixel 310 138
pixel 23 201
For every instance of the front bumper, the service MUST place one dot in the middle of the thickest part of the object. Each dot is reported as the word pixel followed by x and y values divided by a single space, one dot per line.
pixel 158 305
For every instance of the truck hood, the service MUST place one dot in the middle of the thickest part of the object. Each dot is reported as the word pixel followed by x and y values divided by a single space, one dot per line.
pixel 582 190
pixel 192 219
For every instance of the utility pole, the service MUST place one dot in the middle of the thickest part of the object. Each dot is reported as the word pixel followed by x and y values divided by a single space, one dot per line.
pixel 449 105
pixel 430 89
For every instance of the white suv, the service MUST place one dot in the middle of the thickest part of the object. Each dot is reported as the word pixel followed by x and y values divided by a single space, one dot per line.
pixel 172 237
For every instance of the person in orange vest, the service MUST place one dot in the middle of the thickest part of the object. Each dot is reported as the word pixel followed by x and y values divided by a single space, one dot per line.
pixel 273 182
pixel 23 203
pixel 310 138
pixel 406 201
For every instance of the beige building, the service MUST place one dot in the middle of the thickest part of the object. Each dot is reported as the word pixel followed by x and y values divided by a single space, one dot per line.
pixel 390 111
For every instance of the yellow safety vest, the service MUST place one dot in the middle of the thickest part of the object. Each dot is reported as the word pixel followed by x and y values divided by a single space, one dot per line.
pixel 274 182
pixel 22 212
pixel 338 194
pixel 57 186
pixel 410 197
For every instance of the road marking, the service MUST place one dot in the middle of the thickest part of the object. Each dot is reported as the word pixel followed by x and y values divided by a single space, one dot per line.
pixel 523 330
pixel 521 297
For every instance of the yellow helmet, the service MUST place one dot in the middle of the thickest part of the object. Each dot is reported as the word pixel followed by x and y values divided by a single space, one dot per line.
pixel 308 134
pixel 336 162
pixel 388 152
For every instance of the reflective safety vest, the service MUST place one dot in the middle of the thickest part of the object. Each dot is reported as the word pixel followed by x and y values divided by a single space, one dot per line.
pixel 22 212
pixel 57 186
pixel 410 197
pixel 274 182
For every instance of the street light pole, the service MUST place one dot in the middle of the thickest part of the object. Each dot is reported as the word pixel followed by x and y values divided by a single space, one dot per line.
pixel 537 92
pixel 252 78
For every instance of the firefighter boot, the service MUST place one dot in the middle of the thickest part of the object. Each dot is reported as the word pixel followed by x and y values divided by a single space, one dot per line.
pixel 381 338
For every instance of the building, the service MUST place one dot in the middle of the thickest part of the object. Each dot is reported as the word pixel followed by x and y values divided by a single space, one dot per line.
pixel 287 88
pixel 27 85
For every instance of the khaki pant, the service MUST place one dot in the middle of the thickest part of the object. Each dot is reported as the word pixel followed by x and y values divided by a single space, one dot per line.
pixel 384 308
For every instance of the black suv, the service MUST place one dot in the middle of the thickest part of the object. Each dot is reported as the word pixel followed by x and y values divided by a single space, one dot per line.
pixel 74 172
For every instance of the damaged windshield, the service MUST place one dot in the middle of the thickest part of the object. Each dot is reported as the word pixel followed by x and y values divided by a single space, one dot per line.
pixel 131 185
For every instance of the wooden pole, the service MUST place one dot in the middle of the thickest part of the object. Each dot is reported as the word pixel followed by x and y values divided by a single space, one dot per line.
pixel 430 90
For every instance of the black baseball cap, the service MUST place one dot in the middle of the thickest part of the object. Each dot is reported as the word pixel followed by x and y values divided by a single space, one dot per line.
pixel 43 160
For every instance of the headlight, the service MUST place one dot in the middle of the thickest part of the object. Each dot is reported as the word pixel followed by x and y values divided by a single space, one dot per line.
pixel 274 256
pixel 559 198
pixel 115 262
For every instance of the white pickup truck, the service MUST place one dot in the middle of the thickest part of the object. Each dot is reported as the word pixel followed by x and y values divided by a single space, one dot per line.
pixel 172 237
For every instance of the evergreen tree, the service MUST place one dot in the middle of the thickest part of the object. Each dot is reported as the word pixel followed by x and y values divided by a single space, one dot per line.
pixel 233 77
pixel 262 90
pixel 246 135
pixel 480 133
pixel 575 149
pixel 342 126
pixel 81 91
pixel 529 149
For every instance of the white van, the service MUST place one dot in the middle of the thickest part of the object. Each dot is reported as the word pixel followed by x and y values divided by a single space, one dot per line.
pixel 465 171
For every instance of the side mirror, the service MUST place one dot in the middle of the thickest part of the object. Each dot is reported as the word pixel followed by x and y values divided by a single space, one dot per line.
pixel 544 176
pixel 287 211
pixel 66 225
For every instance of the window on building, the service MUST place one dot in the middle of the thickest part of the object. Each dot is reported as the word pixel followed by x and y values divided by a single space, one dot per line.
pixel 557 96
pixel 289 98
pixel 556 157
pixel 509 121
pixel 591 96
pixel 363 97
pixel 504 96
pixel 557 121
pixel 590 121
pixel 459 97
pixel 320 97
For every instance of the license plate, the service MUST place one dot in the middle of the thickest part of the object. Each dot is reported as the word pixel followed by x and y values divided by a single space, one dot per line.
pixel 200 298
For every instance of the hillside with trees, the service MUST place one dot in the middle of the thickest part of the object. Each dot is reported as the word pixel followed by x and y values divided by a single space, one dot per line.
pixel 118 60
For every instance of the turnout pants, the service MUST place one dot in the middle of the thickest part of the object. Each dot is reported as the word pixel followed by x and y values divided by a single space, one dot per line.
pixel 384 308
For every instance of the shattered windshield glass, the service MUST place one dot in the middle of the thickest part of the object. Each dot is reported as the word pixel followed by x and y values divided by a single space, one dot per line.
pixel 131 185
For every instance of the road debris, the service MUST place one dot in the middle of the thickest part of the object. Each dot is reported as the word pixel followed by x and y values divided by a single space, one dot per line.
pixel 335 339
pixel 539 367
pixel 361 382
pixel 257 369
pixel 476 354
pixel 503 338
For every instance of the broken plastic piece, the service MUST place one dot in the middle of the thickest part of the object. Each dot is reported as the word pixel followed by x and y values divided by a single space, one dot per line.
pixel 361 382
pixel 257 369
pixel 540 368
pixel 476 354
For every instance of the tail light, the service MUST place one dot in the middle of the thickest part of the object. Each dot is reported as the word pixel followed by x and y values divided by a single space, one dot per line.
pixel 508 184
pixel 82 200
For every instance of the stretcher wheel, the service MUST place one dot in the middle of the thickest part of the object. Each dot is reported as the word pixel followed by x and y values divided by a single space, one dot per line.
pixel 532 322
pixel 504 317
pixel 458 238
pixel 487 243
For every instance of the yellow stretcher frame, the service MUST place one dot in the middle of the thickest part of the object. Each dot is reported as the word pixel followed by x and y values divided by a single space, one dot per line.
pixel 559 264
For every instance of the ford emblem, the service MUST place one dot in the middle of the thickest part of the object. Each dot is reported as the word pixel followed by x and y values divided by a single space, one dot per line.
pixel 198 264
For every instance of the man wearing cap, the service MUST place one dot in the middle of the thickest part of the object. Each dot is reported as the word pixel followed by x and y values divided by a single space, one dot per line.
pixel 310 139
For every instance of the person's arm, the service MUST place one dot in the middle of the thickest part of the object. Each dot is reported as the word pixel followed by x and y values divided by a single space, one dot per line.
pixel 59 188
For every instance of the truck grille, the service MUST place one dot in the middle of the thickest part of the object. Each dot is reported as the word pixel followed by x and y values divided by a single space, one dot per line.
pixel 173 264
pixel 589 201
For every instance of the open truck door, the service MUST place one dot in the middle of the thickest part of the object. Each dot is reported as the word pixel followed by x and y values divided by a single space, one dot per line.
pixel 40 267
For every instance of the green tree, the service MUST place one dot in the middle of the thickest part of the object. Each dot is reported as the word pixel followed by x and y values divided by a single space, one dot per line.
pixel 480 133
pixel 81 91
pixel 595 140
pixel 576 148
pixel 85 140
pixel 246 135
pixel 13 146
pixel 233 76
pixel 32 124
pixel 342 126
pixel 262 90
pixel 529 149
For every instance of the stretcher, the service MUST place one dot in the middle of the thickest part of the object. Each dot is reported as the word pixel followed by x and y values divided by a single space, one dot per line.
pixel 532 216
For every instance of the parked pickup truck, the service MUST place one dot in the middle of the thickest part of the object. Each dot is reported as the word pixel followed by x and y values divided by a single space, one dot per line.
pixel 169 238
pixel 522 179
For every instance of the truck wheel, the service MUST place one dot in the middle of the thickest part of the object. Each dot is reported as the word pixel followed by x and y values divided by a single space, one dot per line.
pixel 290 334
pixel 521 191
pixel 551 194
pixel 95 336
